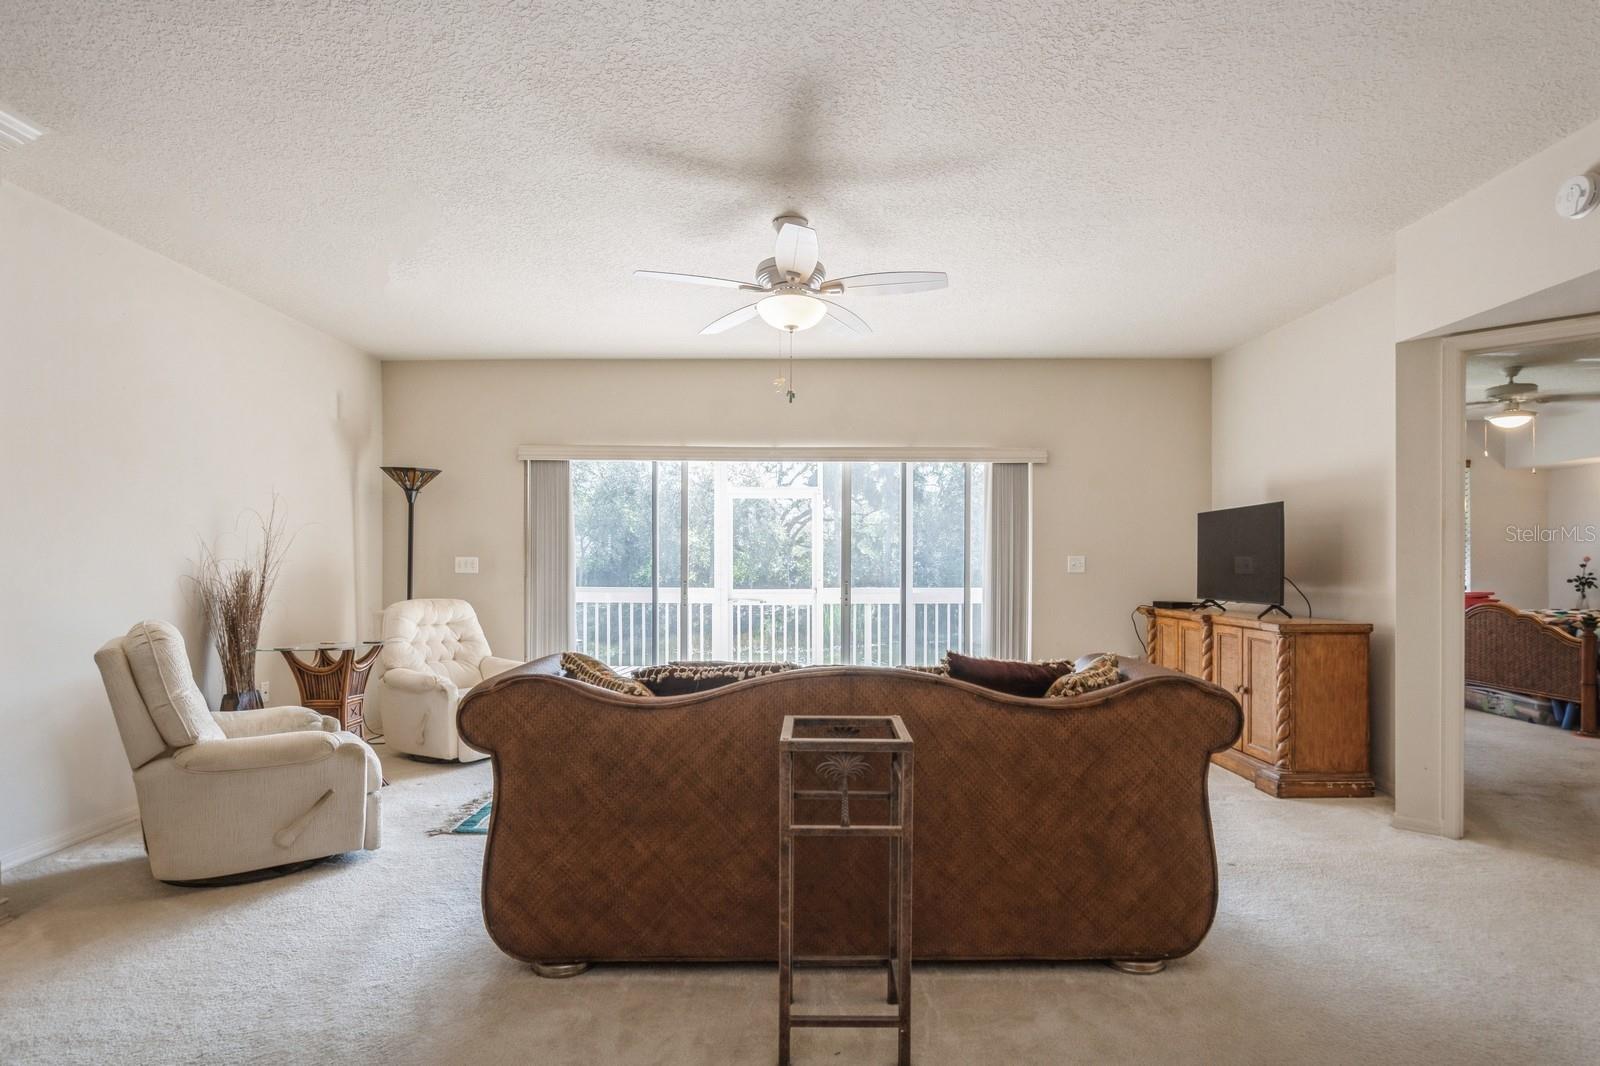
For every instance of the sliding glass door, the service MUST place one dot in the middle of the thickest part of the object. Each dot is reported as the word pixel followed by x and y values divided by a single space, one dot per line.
pixel 875 563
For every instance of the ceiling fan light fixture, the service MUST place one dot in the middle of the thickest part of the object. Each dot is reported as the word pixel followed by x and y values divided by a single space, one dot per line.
pixel 791 311
pixel 1511 419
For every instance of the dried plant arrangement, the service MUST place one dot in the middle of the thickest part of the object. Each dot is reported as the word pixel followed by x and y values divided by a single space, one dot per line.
pixel 233 597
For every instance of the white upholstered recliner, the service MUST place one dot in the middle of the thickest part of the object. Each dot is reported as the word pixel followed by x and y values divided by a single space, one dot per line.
pixel 238 791
pixel 434 650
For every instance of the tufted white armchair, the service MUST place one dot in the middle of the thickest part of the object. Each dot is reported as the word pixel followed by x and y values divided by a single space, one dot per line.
pixel 234 792
pixel 434 650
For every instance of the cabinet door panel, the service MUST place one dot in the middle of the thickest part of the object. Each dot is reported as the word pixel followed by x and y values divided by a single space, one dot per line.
pixel 1261 705
pixel 1169 649
pixel 1193 660
pixel 1227 650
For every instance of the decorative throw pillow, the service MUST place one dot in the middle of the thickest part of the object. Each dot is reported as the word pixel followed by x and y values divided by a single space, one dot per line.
pixel 682 678
pixel 592 671
pixel 1008 675
pixel 1102 673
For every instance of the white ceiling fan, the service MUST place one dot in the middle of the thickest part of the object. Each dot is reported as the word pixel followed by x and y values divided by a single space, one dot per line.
pixel 1516 400
pixel 793 284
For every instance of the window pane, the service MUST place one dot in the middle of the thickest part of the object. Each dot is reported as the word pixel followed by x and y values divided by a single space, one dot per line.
pixel 875 562
pixel 702 545
pixel 980 550
pixel 669 554
pixel 772 474
pixel 771 544
pixel 831 640
pixel 938 498
pixel 611 541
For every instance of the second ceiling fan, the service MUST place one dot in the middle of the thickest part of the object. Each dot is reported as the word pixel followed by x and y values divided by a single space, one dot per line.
pixel 793 285
pixel 1516 400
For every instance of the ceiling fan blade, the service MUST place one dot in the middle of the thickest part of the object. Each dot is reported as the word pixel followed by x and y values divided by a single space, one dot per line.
pixel 1565 397
pixel 731 319
pixel 846 318
pixel 797 251
pixel 695 279
pixel 1485 403
pixel 890 283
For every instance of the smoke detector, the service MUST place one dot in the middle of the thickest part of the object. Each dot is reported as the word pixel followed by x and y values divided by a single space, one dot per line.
pixel 1578 195
pixel 16 133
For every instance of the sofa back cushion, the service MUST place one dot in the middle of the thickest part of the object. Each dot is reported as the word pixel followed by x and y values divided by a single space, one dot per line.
pixel 438 636
pixel 1008 675
pixel 159 663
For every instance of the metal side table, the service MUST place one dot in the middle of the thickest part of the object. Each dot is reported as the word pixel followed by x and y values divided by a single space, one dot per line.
pixel 842 748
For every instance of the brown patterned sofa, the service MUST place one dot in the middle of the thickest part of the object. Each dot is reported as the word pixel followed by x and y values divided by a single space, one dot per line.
pixel 634 829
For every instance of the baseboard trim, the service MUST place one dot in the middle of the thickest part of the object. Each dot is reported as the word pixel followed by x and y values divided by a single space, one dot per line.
pixel 49 845
pixel 1432 827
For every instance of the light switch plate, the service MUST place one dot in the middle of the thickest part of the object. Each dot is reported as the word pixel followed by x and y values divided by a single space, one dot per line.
pixel 466 564
pixel 1076 564
pixel 266 692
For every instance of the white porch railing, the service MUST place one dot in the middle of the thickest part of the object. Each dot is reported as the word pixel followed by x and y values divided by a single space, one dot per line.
pixel 770 625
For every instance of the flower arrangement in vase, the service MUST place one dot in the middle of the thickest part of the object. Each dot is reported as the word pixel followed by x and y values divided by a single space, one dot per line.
pixel 1583 581
pixel 233 598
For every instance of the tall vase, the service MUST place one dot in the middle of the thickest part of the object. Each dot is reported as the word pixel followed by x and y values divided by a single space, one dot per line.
pixel 1583 599
pixel 248 700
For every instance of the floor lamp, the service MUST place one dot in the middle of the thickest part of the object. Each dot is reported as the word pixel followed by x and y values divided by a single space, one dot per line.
pixel 410 479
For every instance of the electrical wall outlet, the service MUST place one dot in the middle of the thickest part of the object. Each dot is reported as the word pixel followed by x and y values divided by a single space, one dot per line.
pixel 266 692
pixel 466 564
pixel 1076 564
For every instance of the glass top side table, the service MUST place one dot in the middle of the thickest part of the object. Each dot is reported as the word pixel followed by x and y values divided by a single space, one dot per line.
pixel 334 680
pixel 840 749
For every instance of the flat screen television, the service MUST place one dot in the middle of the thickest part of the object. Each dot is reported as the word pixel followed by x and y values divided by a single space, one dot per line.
pixel 1241 554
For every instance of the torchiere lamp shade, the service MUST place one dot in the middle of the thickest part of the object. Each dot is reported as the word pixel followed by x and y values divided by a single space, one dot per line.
pixel 410 479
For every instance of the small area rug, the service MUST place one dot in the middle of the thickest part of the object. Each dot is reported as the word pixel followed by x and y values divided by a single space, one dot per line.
pixel 469 818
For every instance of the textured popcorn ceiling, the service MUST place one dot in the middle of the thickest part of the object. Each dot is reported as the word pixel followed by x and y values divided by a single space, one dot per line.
pixel 466 178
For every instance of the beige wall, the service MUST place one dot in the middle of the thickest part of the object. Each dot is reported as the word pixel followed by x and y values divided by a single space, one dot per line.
pixel 1501 244
pixel 1128 471
pixel 1304 414
pixel 1574 507
pixel 1571 435
pixel 145 407
pixel 1514 570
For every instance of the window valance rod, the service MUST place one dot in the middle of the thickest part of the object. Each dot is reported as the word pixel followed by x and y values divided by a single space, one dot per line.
pixel 826 453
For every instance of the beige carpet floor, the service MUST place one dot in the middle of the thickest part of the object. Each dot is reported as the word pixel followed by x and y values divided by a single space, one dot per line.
pixel 1339 939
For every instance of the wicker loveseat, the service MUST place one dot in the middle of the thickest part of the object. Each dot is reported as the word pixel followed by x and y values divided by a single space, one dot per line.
pixel 630 828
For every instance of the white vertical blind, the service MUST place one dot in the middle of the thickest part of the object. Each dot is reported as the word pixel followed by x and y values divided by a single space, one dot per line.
pixel 550 574
pixel 1006 633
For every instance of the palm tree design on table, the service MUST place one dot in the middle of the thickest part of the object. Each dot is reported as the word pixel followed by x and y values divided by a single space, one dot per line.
pixel 841 769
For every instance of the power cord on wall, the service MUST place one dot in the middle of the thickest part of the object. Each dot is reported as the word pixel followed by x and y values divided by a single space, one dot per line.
pixel 1309 612
pixel 1134 618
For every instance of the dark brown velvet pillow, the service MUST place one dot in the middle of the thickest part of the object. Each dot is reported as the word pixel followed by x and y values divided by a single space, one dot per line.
pixel 682 678
pixel 1008 675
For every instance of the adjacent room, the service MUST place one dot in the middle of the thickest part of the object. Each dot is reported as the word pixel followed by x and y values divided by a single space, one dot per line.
pixel 1531 496
pixel 964 533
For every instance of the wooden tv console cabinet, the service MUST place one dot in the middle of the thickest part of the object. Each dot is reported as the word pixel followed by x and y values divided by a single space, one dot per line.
pixel 1302 684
